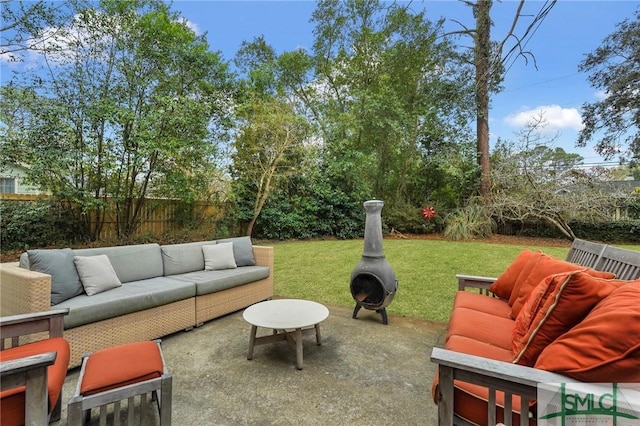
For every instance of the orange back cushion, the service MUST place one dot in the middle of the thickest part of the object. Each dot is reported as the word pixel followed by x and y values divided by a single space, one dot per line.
pixel 546 265
pixel 526 271
pixel 503 286
pixel 605 346
pixel 555 305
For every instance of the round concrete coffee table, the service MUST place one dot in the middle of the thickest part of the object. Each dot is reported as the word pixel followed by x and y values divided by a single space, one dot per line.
pixel 289 319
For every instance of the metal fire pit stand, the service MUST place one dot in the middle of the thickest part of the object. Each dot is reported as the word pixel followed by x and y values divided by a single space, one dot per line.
pixel 381 311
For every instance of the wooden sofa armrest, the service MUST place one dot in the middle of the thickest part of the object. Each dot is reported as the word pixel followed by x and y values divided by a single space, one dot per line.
pixel 30 372
pixel 23 291
pixel 510 378
pixel 475 282
pixel 12 327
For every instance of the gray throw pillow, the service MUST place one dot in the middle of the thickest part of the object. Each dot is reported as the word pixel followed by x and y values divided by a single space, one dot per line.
pixel 96 273
pixel 65 282
pixel 218 256
pixel 242 250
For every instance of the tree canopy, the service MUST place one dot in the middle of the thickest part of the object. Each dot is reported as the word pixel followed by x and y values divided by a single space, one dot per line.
pixel 533 181
pixel 128 103
pixel 129 108
pixel 613 123
pixel 391 90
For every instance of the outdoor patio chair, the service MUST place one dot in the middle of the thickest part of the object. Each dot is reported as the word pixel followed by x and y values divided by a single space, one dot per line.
pixel 34 358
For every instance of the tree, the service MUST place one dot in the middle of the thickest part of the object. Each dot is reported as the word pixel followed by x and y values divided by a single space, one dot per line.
pixel 483 65
pixel 267 147
pixel 534 182
pixel 614 67
pixel 271 135
pixel 489 60
pixel 32 25
pixel 127 110
pixel 390 91
pixel 380 96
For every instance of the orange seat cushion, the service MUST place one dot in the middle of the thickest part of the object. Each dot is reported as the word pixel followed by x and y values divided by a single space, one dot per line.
pixel 503 286
pixel 605 346
pixel 545 266
pixel 469 346
pixel 481 326
pixel 557 304
pixel 122 365
pixel 471 401
pixel 482 303
pixel 13 400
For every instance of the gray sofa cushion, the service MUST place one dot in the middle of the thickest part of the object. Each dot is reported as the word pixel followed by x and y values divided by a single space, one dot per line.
pixel 242 250
pixel 183 258
pixel 24 260
pixel 130 297
pixel 212 281
pixel 131 263
pixel 65 282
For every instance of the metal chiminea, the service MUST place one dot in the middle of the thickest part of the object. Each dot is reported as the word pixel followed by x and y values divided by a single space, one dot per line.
pixel 373 282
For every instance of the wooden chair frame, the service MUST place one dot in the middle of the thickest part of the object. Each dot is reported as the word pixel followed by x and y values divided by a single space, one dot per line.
pixel 31 371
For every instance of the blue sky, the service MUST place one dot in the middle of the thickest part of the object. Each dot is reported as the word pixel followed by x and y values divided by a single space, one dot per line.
pixel 572 30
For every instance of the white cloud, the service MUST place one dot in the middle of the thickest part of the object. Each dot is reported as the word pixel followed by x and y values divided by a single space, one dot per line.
pixel 192 26
pixel 10 59
pixel 555 117
pixel 601 95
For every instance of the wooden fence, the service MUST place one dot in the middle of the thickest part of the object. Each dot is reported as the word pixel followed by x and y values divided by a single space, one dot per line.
pixel 158 216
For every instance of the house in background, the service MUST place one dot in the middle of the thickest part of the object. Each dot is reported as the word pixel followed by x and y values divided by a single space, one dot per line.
pixel 12 181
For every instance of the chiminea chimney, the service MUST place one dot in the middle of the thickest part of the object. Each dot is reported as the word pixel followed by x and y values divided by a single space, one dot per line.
pixel 373 282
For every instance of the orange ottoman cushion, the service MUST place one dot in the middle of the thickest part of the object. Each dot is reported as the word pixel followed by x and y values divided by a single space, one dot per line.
pixel 605 346
pixel 12 400
pixel 122 365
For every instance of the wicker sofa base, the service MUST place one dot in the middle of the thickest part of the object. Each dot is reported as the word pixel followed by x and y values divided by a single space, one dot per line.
pixel 214 305
pixel 142 325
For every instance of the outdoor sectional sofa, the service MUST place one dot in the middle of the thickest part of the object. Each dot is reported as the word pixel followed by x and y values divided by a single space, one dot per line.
pixel 544 320
pixel 157 290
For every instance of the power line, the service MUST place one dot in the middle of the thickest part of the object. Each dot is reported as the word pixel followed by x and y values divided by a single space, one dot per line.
pixel 604 164
pixel 541 82
pixel 519 49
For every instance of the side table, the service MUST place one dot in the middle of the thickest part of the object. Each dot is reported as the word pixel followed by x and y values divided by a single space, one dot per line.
pixel 289 319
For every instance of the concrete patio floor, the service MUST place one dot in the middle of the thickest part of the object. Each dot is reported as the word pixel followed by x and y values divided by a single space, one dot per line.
pixel 364 373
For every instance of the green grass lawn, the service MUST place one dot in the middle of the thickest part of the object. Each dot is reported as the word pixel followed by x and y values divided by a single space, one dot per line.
pixel 426 269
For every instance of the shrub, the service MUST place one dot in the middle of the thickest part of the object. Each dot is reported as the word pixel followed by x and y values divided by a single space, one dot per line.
pixel 623 231
pixel 469 222
pixel 25 224
pixel 406 218
pixel 286 217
